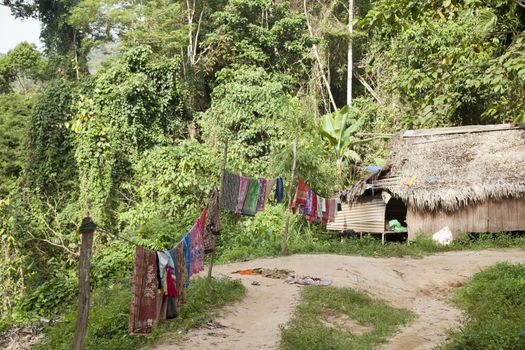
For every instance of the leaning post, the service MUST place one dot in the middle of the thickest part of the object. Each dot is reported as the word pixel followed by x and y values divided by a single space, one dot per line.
pixel 87 230
pixel 284 242
pixel 224 161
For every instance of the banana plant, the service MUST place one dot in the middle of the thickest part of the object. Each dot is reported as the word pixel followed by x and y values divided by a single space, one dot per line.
pixel 339 128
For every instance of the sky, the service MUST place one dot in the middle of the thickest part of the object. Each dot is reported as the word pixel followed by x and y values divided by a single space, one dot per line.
pixel 14 31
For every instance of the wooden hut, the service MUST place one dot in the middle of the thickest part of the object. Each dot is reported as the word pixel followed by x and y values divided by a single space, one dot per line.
pixel 470 178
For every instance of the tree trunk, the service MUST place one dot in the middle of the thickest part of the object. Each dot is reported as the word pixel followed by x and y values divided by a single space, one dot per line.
pixel 350 57
pixel 284 242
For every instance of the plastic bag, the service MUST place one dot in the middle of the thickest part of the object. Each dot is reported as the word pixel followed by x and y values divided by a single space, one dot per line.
pixel 443 236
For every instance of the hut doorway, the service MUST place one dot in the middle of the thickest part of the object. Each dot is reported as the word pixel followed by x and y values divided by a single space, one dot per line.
pixel 396 209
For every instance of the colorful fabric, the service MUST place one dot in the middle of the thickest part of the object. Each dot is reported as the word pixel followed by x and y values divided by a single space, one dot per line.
pixel 181 273
pixel 279 190
pixel 209 238
pixel 269 187
pixel 213 221
pixel 313 212
pixel 171 281
pixel 301 196
pixel 262 193
pixel 326 210
pixel 197 248
pixel 319 210
pixel 162 305
pixel 230 191
pixel 162 262
pixel 143 313
pixel 187 256
pixel 252 195
pixel 310 204
pixel 332 208
pixel 244 182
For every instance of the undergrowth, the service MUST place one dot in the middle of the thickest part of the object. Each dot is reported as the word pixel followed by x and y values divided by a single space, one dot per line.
pixel 109 313
pixel 261 236
pixel 312 327
pixel 494 301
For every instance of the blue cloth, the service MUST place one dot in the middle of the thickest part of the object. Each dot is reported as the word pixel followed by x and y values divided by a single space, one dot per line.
pixel 187 253
pixel 279 190
pixel 372 168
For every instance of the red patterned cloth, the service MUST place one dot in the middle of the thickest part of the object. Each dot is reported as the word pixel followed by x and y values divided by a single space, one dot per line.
pixel 144 313
pixel 301 195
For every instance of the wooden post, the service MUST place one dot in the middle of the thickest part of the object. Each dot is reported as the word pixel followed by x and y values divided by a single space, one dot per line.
pixel 87 229
pixel 284 242
pixel 224 161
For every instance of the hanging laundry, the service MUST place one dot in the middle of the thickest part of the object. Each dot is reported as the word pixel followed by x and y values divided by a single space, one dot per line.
pixel 279 190
pixel 319 216
pixel 250 203
pixel 332 209
pixel 181 273
pixel 313 210
pixel 143 313
pixel 269 187
pixel 162 262
pixel 262 193
pixel 197 248
pixel 171 277
pixel 301 195
pixel 230 191
pixel 187 255
pixel 244 182
pixel 213 214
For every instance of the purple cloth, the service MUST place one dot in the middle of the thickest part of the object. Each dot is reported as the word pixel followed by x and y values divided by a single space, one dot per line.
pixel 243 189
pixel 262 194
pixel 310 203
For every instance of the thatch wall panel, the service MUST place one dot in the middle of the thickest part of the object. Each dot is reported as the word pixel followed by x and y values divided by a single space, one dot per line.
pixel 490 216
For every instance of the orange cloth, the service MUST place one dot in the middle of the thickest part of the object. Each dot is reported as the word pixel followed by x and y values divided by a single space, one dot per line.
pixel 247 272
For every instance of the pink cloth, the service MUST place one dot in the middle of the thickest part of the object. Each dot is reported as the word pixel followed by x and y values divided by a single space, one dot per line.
pixel 243 189
pixel 197 247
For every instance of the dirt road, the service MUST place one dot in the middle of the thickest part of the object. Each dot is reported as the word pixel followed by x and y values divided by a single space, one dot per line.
pixel 420 285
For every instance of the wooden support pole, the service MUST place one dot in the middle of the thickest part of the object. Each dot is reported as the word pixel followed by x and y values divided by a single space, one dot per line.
pixel 224 161
pixel 284 242
pixel 87 229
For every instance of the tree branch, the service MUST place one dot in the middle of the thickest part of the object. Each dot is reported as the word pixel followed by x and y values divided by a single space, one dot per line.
pixel 318 59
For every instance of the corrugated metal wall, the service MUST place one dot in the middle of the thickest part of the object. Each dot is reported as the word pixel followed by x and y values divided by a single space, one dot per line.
pixel 366 215
pixel 490 216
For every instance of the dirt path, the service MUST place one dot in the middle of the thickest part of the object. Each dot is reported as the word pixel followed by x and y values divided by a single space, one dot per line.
pixel 421 285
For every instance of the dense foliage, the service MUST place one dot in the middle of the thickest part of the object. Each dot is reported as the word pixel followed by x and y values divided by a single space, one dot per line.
pixel 136 140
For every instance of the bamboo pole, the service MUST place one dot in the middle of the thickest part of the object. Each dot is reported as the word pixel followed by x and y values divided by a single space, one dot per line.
pixel 284 242
pixel 224 161
pixel 87 229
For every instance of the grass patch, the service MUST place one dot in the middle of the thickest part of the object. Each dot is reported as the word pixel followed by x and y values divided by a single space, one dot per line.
pixel 326 316
pixel 108 318
pixel 494 301
pixel 370 246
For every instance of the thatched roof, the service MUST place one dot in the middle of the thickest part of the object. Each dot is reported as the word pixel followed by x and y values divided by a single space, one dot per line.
pixel 449 168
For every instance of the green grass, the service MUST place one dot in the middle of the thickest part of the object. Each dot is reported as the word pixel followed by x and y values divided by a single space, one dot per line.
pixel 108 318
pixel 370 246
pixel 494 301
pixel 307 331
